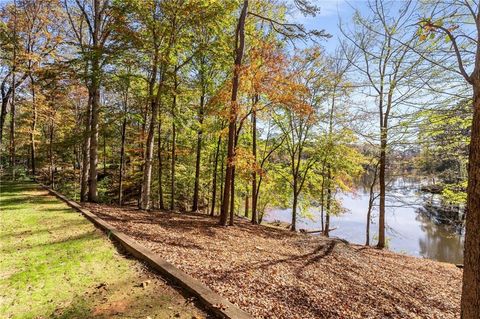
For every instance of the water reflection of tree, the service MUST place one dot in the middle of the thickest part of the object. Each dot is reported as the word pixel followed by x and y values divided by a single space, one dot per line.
pixel 439 243
pixel 441 230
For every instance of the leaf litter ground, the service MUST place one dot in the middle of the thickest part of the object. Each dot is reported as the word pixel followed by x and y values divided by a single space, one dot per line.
pixel 273 273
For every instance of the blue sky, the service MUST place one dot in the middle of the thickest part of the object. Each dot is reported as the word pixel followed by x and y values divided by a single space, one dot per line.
pixel 331 12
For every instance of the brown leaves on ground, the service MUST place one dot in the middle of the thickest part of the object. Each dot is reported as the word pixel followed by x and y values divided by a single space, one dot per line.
pixel 272 273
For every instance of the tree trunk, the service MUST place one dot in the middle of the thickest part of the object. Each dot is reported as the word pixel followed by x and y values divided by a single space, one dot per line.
pixel 254 153
pixel 198 158
pixel 32 141
pixel 95 91
pixel 12 127
pixel 122 161
pixel 214 178
pixel 12 109
pixel 470 304
pixel 33 128
pixel 326 227
pixel 172 166
pixel 12 136
pixel 50 148
pixel 122 147
pixel 246 203
pixel 222 176
pixel 160 167
pixel 322 197
pixel 104 154
pixel 371 201
pixel 382 185
pixel 239 48
pixel 86 153
pixel 294 210
pixel 257 194
pixel 145 189
pixel 92 180
pixel 230 162
pixel 3 114
pixel 326 230
pixel 369 218
pixel 174 145
pixel 295 186
pixel 143 131
pixel 232 192
pixel 327 224
pixel 232 198
pixel 148 163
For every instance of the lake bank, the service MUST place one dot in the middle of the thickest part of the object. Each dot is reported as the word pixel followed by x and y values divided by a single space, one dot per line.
pixel 278 274
pixel 410 230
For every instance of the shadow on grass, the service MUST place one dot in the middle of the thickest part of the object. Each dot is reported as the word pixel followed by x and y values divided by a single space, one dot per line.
pixel 72 240
pixel 55 246
pixel 14 201
pixel 42 230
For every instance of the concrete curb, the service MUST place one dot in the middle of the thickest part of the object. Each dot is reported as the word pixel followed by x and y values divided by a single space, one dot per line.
pixel 215 303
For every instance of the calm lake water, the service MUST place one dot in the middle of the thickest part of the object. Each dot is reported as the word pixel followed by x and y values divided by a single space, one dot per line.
pixel 409 230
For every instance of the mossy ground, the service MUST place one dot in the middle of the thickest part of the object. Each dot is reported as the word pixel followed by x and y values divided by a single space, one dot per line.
pixel 56 264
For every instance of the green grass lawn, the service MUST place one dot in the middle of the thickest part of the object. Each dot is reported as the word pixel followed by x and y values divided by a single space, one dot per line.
pixel 56 264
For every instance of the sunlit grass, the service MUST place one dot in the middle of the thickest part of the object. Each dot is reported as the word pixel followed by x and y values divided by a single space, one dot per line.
pixel 50 256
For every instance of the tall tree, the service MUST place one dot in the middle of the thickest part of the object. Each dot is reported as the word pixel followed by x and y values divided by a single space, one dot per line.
pixel 388 68
pixel 301 101
pixel 451 22
pixel 91 23
pixel 42 38
pixel 12 74
pixel 166 28
pixel 289 31
pixel 157 31
pixel 239 50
